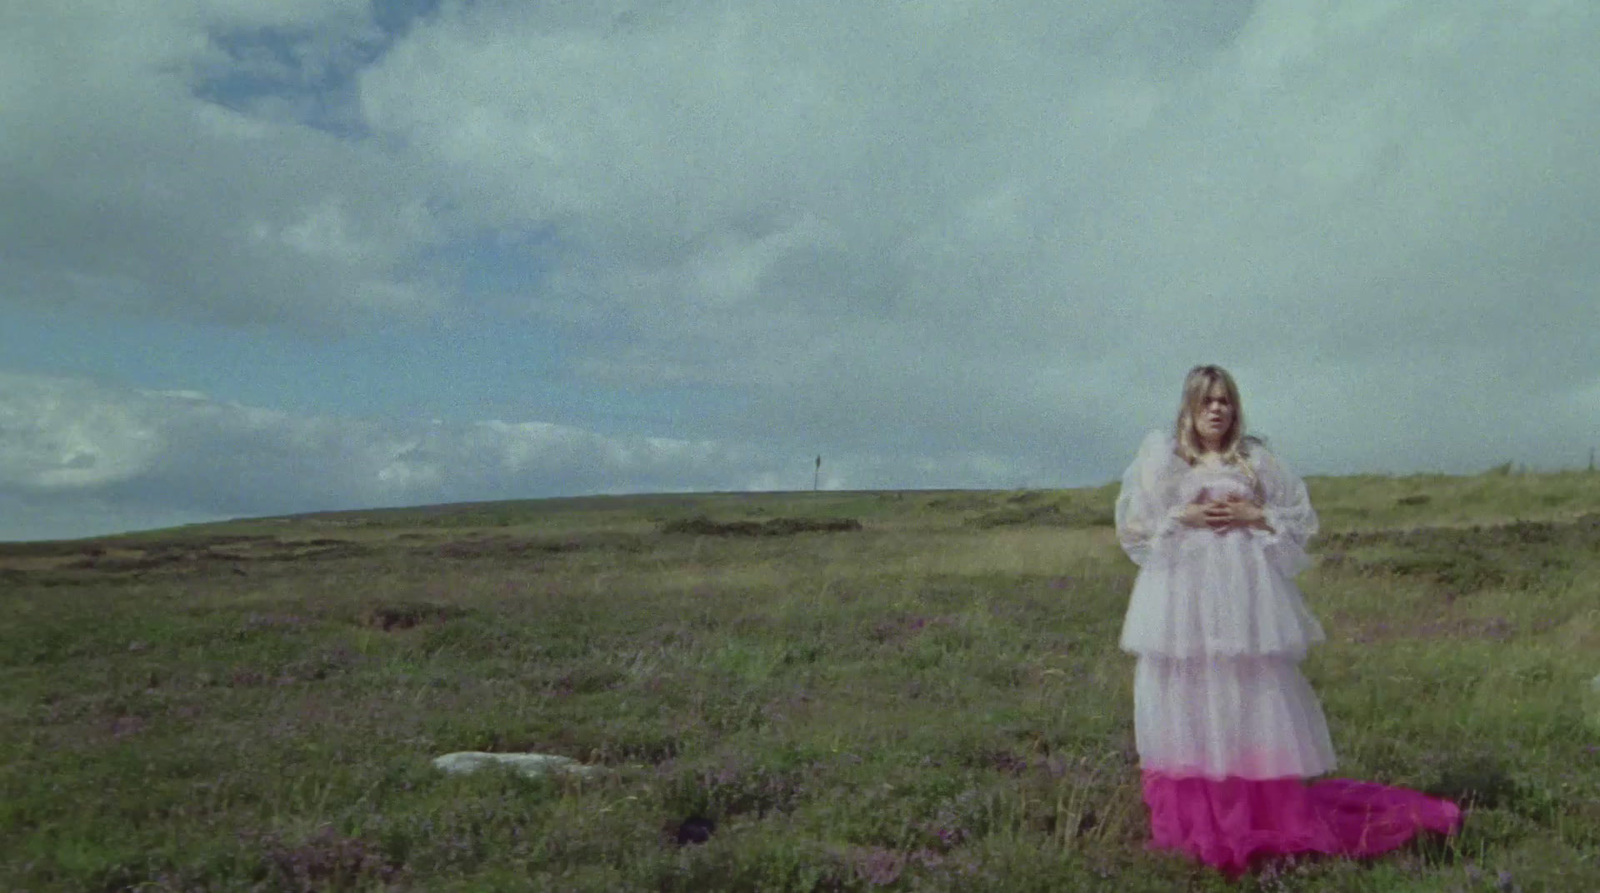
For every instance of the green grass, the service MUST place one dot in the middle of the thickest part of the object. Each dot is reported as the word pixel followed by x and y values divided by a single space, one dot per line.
pixel 931 702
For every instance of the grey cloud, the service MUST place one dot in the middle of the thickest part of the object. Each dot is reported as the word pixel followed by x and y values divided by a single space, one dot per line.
pixel 989 235
pixel 985 230
pixel 125 192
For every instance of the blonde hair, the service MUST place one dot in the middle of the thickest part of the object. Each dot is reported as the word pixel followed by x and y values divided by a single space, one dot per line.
pixel 1235 446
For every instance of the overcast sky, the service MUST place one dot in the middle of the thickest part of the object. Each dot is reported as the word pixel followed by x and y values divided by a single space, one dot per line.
pixel 270 256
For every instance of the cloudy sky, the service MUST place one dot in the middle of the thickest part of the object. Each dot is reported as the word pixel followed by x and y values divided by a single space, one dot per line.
pixel 270 256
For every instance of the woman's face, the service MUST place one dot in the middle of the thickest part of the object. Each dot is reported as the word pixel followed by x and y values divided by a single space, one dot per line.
pixel 1214 417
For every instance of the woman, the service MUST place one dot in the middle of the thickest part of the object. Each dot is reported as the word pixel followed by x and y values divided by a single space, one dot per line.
pixel 1227 727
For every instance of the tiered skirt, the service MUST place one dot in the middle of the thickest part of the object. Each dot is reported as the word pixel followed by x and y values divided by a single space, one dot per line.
pixel 1227 728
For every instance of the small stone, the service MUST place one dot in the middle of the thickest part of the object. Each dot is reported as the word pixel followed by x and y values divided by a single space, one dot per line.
pixel 531 765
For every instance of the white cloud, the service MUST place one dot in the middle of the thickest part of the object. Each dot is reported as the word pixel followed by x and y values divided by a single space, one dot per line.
pixel 60 435
pixel 120 456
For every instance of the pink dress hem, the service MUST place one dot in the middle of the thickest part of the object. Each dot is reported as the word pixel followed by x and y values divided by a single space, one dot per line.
pixel 1232 823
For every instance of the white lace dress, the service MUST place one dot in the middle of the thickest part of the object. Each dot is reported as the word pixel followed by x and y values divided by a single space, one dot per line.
pixel 1218 624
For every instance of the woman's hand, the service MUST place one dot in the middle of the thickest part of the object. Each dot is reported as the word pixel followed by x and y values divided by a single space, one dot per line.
pixel 1196 514
pixel 1235 511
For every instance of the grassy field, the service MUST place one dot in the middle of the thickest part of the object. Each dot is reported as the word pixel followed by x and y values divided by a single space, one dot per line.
pixel 910 691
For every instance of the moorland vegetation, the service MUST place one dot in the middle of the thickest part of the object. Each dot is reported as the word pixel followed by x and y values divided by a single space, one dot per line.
pixel 804 691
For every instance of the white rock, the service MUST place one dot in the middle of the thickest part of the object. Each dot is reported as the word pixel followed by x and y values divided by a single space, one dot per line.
pixel 531 765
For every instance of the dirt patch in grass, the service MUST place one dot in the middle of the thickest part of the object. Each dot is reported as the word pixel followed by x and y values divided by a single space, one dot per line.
pixel 521 547
pixel 115 564
pixel 408 615
pixel 704 526
pixel 503 547
pixel 1467 559
pixel 962 502
pixel 294 550
pixel 52 549
pixel 1582 531
pixel 195 552
pixel 1046 515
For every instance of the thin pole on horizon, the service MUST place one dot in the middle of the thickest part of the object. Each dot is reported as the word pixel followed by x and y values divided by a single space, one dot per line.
pixel 816 476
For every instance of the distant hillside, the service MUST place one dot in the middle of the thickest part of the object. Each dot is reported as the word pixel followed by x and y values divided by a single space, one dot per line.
pixel 1358 502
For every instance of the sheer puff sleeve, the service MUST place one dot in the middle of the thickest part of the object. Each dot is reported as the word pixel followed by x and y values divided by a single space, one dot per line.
pixel 1288 512
pixel 1147 505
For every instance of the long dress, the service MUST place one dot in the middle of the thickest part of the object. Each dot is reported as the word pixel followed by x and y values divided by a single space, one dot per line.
pixel 1226 726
